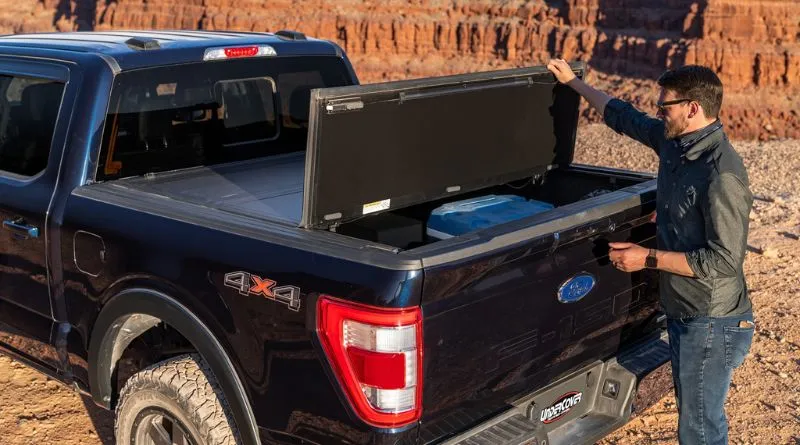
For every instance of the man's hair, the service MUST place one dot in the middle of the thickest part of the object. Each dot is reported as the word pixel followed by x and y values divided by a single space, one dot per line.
pixel 697 83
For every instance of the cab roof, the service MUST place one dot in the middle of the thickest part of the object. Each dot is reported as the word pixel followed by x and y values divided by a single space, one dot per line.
pixel 140 49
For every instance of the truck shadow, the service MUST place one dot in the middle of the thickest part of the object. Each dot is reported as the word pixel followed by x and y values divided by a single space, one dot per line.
pixel 652 389
pixel 102 420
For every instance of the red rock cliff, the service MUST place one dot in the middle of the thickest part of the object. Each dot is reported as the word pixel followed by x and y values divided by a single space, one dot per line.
pixel 754 45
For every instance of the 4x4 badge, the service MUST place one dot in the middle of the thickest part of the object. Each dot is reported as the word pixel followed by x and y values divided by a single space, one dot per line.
pixel 249 284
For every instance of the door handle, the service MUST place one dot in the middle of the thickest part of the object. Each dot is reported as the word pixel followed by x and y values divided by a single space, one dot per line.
pixel 19 226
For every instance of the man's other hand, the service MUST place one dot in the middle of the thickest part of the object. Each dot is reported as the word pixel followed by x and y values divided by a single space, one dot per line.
pixel 627 257
pixel 560 68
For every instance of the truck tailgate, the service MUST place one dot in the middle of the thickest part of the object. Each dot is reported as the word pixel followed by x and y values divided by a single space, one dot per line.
pixel 495 328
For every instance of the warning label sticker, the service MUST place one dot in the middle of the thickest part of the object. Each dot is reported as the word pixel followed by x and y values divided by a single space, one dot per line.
pixel 377 206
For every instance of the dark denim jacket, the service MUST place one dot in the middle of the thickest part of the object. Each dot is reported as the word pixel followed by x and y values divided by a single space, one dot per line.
pixel 703 203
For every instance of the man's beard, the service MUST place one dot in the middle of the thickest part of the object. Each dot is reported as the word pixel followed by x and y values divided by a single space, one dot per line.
pixel 675 128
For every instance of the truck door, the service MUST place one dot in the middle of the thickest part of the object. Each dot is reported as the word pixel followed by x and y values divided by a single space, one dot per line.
pixel 33 123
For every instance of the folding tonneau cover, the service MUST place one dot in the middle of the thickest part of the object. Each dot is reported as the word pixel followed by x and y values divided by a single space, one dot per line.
pixel 373 148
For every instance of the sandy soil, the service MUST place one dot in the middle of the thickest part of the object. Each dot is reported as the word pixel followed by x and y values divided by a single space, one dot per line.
pixel 764 402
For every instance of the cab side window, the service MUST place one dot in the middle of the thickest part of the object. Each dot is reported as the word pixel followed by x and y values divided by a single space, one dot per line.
pixel 28 111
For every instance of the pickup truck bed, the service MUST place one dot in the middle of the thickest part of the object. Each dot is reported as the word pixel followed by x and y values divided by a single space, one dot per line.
pixel 269 188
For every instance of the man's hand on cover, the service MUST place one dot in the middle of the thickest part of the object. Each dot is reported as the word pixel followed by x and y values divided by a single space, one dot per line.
pixel 560 68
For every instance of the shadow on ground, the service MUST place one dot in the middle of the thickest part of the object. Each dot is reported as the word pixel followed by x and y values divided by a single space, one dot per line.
pixel 102 419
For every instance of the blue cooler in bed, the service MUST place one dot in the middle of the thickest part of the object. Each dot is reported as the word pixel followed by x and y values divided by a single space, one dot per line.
pixel 456 218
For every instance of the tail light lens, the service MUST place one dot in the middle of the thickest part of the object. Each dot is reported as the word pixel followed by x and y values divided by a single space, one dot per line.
pixel 376 355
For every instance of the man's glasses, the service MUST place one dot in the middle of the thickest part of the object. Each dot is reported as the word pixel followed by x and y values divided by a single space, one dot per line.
pixel 662 106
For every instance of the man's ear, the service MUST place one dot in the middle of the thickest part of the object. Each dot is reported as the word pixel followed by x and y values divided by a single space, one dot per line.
pixel 695 109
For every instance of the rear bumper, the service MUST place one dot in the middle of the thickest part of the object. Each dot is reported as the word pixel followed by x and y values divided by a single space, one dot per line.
pixel 585 406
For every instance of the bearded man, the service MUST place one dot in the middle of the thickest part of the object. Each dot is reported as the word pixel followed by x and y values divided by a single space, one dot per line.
pixel 703 208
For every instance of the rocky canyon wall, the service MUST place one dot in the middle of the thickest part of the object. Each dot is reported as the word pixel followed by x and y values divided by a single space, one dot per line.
pixel 754 45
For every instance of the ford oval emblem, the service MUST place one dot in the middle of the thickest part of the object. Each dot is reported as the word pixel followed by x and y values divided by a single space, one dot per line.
pixel 575 288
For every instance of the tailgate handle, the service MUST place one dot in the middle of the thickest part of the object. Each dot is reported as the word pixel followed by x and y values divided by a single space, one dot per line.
pixel 591 231
pixel 594 232
pixel 596 229
pixel 19 226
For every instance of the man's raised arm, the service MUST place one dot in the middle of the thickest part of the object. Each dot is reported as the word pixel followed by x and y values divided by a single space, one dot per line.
pixel 621 116
pixel 596 98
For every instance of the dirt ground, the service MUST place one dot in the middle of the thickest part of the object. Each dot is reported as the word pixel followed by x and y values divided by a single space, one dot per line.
pixel 764 402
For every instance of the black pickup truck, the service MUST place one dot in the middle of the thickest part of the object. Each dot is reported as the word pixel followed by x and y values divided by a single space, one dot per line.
pixel 226 239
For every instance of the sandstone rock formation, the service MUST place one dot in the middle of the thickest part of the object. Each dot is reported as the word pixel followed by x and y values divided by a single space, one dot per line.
pixel 754 45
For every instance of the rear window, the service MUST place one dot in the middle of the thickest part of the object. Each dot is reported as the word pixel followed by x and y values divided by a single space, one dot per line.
pixel 208 113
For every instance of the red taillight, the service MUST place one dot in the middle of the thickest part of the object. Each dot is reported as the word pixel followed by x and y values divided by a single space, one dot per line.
pixel 384 371
pixel 243 51
pixel 376 355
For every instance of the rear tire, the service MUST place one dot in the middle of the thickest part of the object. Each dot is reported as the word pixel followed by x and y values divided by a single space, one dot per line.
pixel 177 401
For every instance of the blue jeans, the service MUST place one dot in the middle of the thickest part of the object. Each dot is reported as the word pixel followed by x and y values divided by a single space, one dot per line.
pixel 705 351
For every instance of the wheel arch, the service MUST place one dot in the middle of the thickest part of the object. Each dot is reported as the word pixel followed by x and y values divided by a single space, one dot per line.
pixel 130 313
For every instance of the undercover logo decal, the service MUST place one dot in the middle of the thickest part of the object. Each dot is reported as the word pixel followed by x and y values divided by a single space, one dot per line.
pixel 560 407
